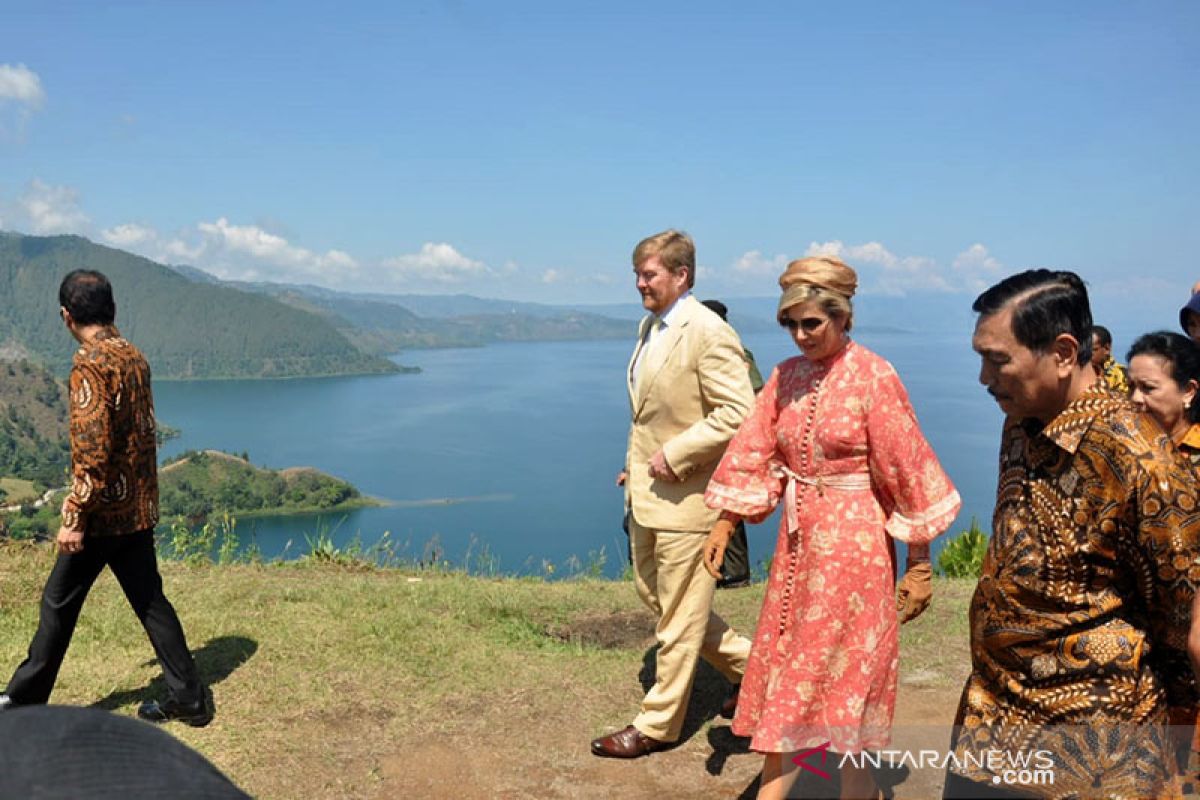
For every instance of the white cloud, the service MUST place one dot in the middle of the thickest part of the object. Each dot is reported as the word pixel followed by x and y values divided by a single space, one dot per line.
pixel 752 262
pixel 976 269
pixel 22 85
pixel 52 209
pixel 551 276
pixel 20 95
pixel 128 235
pixel 177 251
pixel 899 274
pixel 437 262
pixel 249 252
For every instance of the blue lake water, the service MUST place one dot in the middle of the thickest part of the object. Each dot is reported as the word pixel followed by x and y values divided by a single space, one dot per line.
pixel 511 450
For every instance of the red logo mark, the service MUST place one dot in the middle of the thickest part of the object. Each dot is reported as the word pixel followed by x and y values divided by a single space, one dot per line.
pixel 799 761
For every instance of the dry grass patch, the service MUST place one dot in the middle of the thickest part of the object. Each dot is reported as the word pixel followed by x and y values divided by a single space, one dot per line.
pixel 333 683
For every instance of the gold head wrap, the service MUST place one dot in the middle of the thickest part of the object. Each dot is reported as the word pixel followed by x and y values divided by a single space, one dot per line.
pixel 823 272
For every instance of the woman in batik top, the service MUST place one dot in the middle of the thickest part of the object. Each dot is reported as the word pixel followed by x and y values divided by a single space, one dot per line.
pixel 1164 376
pixel 834 438
pixel 1164 384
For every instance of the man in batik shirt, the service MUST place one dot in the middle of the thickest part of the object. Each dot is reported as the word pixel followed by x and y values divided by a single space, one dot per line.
pixel 109 515
pixel 1080 623
pixel 1105 366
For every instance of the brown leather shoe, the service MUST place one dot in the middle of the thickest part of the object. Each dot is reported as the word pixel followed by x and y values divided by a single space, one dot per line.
pixel 627 743
pixel 729 707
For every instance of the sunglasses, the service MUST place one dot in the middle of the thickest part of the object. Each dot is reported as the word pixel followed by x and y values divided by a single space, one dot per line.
pixel 807 324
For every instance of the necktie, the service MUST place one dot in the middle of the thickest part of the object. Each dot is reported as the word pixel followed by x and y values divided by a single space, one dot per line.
pixel 652 332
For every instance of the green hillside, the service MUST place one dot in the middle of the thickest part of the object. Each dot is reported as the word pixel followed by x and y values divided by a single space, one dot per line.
pixel 186 329
pixel 33 424
pixel 197 484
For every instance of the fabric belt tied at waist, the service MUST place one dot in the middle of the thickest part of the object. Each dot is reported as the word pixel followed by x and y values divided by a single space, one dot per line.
pixel 845 481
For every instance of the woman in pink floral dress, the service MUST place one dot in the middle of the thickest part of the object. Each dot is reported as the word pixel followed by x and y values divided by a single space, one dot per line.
pixel 834 438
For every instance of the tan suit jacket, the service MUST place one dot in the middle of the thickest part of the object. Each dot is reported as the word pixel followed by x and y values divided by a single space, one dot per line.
pixel 692 394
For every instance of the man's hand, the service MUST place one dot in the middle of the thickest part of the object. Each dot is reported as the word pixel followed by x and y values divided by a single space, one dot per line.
pixel 915 590
pixel 661 470
pixel 714 546
pixel 69 541
pixel 621 476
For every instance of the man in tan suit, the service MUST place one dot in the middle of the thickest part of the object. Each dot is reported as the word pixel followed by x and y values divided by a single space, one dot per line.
pixel 689 391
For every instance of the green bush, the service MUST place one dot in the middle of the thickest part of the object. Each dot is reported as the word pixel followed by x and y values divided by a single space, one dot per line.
pixel 963 555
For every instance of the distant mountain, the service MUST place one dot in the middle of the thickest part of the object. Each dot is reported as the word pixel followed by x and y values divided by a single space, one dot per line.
pixel 33 424
pixel 383 323
pixel 187 329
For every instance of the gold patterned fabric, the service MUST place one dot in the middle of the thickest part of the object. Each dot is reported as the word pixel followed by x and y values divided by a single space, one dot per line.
pixel 114 485
pixel 1113 375
pixel 1080 621
pixel 1190 446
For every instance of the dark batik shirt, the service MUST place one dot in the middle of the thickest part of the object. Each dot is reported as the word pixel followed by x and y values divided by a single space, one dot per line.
pixel 114 487
pixel 1080 621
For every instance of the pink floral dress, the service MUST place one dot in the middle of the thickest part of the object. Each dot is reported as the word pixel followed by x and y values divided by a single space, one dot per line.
pixel 837 441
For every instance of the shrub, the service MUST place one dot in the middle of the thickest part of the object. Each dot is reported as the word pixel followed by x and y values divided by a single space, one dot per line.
pixel 963 555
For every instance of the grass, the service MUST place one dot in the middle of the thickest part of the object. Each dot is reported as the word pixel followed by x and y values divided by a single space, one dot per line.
pixel 18 490
pixel 333 678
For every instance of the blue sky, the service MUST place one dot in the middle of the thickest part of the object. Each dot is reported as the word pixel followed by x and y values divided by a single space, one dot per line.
pixel 520 149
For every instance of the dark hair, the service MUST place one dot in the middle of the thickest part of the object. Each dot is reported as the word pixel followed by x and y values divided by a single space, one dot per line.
pixel 1101 333
pixel 717 307
pixel 1046 304
pixel 87 296
pixel 1182 357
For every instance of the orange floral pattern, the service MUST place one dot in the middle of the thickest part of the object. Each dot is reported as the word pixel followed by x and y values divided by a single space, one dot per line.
pixel 838 443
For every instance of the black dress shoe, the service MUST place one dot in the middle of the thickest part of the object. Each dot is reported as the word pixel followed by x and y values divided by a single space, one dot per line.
pixel 196 714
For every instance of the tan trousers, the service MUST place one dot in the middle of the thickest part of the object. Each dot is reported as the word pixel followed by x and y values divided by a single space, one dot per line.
pixel 668 569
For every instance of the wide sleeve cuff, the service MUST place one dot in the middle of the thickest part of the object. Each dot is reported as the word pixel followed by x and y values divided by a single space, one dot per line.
pixel 927 525
pixel 752 504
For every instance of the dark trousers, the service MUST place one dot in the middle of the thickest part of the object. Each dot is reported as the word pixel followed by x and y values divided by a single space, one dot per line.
pixel 736 566
pixel 132 560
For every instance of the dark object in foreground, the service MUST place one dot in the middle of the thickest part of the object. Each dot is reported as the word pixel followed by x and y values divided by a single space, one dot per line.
pixel 66 752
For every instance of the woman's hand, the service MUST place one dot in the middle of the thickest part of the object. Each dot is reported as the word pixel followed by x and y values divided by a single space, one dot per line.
pixel 714 547
pixel 915 591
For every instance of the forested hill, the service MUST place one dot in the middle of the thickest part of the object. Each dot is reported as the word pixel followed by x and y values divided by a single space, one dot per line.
pixel 33 424
pixel 186 329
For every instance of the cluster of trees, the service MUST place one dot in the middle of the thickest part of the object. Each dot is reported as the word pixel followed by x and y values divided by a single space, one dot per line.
pixel 201 483
pixel 30 522
pixel 33 424
pixel 33 458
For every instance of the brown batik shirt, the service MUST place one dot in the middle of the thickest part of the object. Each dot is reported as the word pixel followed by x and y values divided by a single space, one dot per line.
pixel 114 487
pixel 1080 621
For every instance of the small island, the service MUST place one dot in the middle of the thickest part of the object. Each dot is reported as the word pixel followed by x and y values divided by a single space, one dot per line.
pixel 196 484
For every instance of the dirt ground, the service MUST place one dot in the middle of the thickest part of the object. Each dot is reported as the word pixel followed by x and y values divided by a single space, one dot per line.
pixel 541 748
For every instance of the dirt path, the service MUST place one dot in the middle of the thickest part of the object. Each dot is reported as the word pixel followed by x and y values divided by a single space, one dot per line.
pixel 549 758
pixel 538 746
